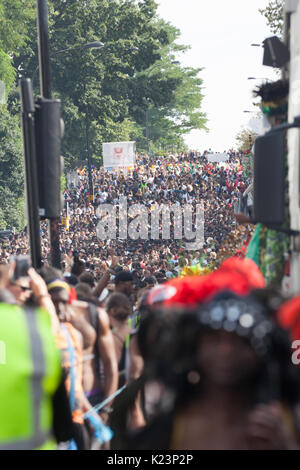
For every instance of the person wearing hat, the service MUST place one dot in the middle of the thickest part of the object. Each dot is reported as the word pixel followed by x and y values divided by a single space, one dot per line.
pixel 124 283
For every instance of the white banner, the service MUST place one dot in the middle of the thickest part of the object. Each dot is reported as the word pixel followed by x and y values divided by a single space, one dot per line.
pixel 217 157
pixel 119 154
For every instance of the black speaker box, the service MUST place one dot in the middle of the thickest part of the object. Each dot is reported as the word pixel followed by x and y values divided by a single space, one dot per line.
pixel 269 178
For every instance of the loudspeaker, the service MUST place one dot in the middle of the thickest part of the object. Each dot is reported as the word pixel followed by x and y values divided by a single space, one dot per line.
pixel 269 178
pixel 48 133
pixel 276 53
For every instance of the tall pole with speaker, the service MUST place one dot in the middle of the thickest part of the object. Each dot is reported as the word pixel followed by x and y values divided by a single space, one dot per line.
pixel 48 157
pixel 32 193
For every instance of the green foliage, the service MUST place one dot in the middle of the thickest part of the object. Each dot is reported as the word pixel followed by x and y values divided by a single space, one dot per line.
pixel 7 72
pixel 109 90
pixel 169 122
pixel 63 183
pixel 105 92
pixel 274 14
pixel 11 171
pixel 15 18
pixel 95 85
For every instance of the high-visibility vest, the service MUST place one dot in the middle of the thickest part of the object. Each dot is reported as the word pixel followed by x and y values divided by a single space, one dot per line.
pixel 30 373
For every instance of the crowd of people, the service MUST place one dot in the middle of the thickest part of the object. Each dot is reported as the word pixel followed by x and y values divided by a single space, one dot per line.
pixel 181 179
pixel 135 355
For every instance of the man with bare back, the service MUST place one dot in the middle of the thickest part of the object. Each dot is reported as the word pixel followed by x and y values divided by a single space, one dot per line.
pixel 100 368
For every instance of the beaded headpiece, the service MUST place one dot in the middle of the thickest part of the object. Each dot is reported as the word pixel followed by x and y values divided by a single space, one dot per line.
pixel 243 316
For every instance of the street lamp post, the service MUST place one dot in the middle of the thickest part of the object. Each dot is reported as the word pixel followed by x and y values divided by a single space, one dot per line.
pixel 89 160
pixel 87 132
pixel 89 45
pixel 147 131
pixel 259 78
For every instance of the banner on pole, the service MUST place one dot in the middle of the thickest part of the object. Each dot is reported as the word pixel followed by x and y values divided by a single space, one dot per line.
pixel 118 155
pixel 217 157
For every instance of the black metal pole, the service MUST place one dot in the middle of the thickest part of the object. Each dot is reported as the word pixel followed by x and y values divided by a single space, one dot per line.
pixel 45 87
pixel 87 132
pixel 44 48
pixel 28 111
pixel 147 131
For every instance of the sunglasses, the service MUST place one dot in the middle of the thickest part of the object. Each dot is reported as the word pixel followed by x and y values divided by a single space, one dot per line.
pixel 24 288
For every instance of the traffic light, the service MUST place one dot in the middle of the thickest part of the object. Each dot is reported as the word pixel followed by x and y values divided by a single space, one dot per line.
pixel 48 135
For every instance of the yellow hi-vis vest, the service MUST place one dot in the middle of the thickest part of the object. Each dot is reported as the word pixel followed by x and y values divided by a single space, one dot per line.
pixel 30 373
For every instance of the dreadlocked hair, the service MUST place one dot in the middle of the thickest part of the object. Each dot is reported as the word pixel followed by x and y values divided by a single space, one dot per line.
pixel 272 92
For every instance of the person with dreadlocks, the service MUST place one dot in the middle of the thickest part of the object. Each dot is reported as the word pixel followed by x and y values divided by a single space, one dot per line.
pixel 227 365
pixel 269 248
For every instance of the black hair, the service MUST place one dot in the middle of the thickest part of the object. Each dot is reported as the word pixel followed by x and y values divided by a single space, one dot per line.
pixel 168 340
pixel 150 280
pixel 123 276
pixel 87 278
pixel 78 268
pixel 114 300
pixel 83 291
pixel 48 273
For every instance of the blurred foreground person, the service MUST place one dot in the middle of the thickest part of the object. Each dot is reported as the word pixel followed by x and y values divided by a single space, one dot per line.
pixel 70 342
pixel 100 373
pixel 33 403
pixel 228 366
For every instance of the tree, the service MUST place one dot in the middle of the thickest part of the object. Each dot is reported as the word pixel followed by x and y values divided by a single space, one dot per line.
pixel 181 89
pixel 106 93
pixel 96 86
pixel 16 17
pixel 274 14
pixel 170 122
pixel 11 172
pixel 245 140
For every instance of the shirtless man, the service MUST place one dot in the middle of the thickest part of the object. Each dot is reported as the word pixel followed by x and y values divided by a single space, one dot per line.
pixel 87 319
pixel 119 310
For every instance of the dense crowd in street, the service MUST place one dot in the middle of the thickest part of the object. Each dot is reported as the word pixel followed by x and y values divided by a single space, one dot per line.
pixel 183 179
pixel 149 358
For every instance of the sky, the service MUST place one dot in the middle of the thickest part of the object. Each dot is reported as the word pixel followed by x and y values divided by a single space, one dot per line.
pixel 220 34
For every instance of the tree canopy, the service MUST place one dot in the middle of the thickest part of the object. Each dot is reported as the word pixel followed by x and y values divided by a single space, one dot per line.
pixel 106 93
pixel 274 16
pixel 11 172
pixel 16 18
